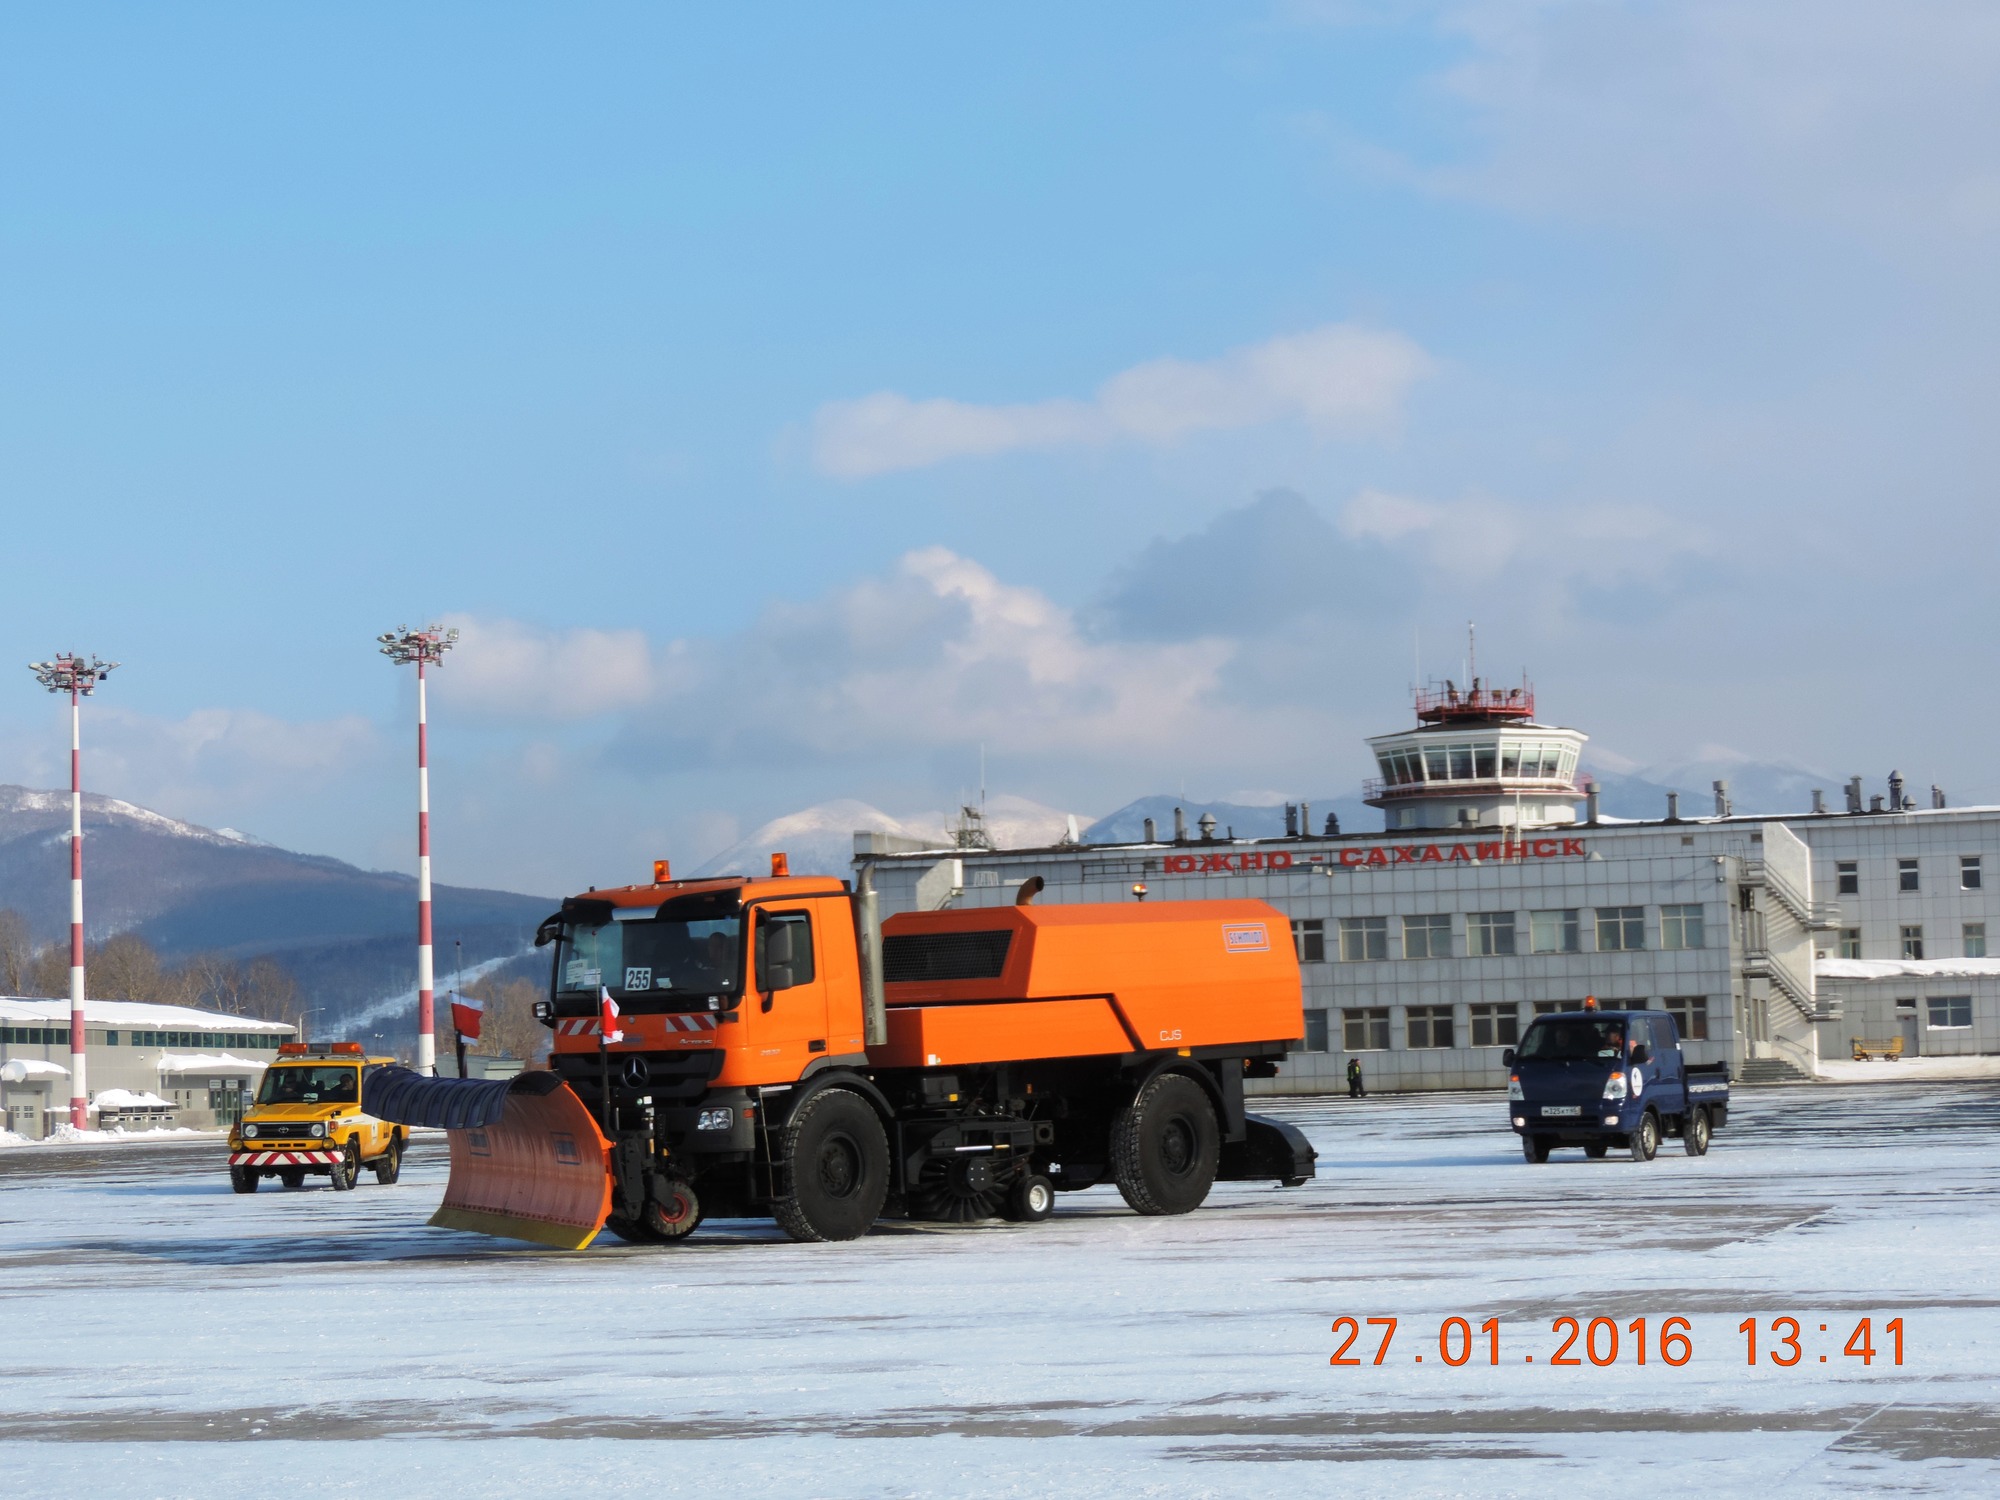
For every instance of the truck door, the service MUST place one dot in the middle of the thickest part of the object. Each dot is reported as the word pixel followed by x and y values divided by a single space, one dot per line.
pixel 789 1007
pixel 1667 1057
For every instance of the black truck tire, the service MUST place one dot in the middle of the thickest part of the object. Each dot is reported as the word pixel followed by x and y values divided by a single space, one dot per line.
pixel 244 1179
pixel 292 1177
pixel 836 1160
pixel 1646 1139
pixel 1166 1147
pixel 1597 1150
pixel 389 1165
pixel 347 1168
pixel 1536 1148
pixel 1695 1132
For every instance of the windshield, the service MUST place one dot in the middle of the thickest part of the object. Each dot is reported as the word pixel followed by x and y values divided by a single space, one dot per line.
pixel 692 948
pixel 334 1084
pixel 1574 1039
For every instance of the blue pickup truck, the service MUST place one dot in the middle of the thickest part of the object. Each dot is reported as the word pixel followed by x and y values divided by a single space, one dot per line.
pixel 1604 1078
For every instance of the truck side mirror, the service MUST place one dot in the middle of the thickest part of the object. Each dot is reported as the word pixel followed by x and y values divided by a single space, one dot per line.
pixel 1641 1054
pixel 1507 1058
pixel 776 956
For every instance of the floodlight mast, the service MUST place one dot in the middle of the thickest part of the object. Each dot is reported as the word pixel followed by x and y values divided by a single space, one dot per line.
pixel 425 647
pixel 70 673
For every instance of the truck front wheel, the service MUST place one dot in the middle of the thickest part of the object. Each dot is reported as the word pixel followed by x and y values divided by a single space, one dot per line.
pixel 837 1160
pixel 1646 1139
pixel 1536 1148
pixel 1165 1148
pixel 243 1179
pixel 346 1168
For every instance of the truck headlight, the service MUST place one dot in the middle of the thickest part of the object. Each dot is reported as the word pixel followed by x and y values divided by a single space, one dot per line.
pixel 249 1132
pixel 1614 1086
pixel 715 1119
pixel 317 1129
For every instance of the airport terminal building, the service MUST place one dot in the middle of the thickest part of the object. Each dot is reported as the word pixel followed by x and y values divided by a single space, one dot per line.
pixel 1777 941
pixel 145 1065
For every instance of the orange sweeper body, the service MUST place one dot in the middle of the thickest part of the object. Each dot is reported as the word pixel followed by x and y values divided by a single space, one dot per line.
pixel 764 1046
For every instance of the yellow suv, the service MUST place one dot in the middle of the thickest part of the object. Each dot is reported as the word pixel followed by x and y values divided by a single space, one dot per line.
pixel 307 1118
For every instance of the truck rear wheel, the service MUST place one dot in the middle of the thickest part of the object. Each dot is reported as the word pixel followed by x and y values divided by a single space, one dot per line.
pixel 292 1177
pixel 243 1179
pixel 837 1160
pixel 1695 1131
pixel 1165 1148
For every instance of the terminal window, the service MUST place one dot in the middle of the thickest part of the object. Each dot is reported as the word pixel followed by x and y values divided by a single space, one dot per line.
pixel 1680 927
pixel 1365 1030
pixel 1309 937
pixel 1690 1013
pixel 1850 942
pixel 1553 931
pixel 1970 875
pixel 1950 1012
pixel 1427 937
pixel 1906 875
pixel 1621 929
pixel 1430 1026
pixel 1975 940
pixel 1847 875
pixel 1363 938
pixel 1489 933
pixel 1913 941
pixel 1495 1025
pixel 1315 1031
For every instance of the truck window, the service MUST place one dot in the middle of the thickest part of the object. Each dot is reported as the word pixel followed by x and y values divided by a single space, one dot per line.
pixel 309 1085
pixel 784 951
pixel 1664 1039
pixel 1574 1039
pixel 692 947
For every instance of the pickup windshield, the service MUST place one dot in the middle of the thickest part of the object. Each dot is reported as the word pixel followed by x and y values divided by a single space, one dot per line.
pixel 334 1084
pixel 1574 1039
pixel 689 948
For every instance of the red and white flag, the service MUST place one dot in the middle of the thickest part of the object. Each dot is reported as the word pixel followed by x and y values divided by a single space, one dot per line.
pixel 466 1014
pixel 607 1016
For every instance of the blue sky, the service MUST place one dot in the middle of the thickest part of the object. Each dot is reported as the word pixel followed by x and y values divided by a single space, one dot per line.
pixel 785 406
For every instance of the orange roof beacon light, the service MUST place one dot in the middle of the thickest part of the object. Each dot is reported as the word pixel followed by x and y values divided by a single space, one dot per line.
pixel 662 872
pixel 1590 1002
pixel 780 866
pixel 1139 891
pixel 292 1049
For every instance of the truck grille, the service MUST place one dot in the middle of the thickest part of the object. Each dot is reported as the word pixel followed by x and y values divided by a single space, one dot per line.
pixel 916 957
pixel 267 1132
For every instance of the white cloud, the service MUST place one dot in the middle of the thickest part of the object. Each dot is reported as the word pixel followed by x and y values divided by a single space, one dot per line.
pixel 1339 379
pixel 510 670
pixel 938 653
pixel 1878 118
pixel 1478 537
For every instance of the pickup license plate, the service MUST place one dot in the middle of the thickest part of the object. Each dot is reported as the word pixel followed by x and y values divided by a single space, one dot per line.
pixel 1560 1111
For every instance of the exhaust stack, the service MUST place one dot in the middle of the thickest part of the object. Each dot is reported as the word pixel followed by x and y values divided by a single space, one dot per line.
pixel 868 921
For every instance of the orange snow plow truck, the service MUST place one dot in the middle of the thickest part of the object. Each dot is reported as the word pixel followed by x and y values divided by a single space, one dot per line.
pixel 774 1052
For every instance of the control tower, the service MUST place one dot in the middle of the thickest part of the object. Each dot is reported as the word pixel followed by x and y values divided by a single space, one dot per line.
pixel 1477 759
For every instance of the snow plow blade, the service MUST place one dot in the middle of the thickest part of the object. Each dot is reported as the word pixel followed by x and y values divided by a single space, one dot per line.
pixel 527 1160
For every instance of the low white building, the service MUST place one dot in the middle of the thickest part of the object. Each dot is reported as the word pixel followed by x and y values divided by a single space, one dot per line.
pixel 199 1063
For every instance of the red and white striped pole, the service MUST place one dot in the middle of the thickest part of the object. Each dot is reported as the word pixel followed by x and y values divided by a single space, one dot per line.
pixel 71 674
pixel 79 1097
pixel 425 647
pixel 426 1007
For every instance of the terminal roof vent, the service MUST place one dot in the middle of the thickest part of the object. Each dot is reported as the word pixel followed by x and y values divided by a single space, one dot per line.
pixel 927 957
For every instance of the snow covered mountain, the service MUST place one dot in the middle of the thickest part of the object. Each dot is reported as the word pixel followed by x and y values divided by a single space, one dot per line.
pixel 347 935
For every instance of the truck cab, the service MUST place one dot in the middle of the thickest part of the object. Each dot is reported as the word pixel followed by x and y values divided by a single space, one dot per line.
pixel 1601 1079
pixel 307 1120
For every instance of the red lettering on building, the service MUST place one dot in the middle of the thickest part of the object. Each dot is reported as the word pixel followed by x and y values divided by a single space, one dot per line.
pixel 1458 852
pixel 1573 847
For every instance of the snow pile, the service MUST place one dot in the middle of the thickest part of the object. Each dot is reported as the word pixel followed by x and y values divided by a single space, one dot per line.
pixel 134 1014
pixel 1908 1069
pixel 21 1069
pixel 1906 968
pixel 126 1099
pixel 206 1062
pixel 69 1135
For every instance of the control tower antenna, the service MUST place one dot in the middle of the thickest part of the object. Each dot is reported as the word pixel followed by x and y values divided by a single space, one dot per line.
pixel 1471 655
